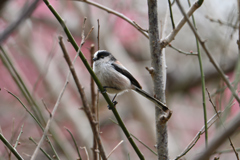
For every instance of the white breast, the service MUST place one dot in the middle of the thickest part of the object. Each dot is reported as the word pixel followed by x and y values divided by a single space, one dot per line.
pixel 114 81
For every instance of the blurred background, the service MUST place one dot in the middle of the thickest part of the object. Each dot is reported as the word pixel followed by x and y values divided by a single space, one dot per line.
pixel 34 52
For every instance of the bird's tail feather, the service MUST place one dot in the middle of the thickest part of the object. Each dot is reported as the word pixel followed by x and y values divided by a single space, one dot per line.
pixel 160 104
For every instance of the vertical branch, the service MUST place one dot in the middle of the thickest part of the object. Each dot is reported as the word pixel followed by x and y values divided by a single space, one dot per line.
pixel 10 147
pixel 238 42
pixel 158 78
pixel 84 99
pixel 171 15
pixel 203 83
pixel 98 36
pixel 93 94
pixel 94 109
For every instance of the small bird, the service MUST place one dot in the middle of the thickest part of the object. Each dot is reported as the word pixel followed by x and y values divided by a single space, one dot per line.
pixel 115 78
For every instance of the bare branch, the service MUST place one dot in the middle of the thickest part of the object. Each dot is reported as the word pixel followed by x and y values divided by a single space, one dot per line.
pixel 50 120
pixel 212 60
pixel 164 42
pixel 84 100
pixel 196 138
pixel 115 148
pixel 25 13
pixel 111 11
pixel 220 138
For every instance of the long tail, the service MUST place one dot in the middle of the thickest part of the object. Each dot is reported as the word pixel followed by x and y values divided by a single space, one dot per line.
pixel 151 98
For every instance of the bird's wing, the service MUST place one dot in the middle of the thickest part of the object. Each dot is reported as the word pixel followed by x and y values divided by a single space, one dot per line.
pixel 126 73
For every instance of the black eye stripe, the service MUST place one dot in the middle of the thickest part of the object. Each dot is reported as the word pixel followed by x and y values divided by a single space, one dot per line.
pixel 103 54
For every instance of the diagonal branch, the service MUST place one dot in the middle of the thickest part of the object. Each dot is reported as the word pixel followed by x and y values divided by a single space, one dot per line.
pixel 111 11
pixel 164 42
pixel 220 138
pixel 212 60
pixel 26 12
pixel 194 141
pixel 84 100
pixel 10 147
pixel 114 110
pixel 50 120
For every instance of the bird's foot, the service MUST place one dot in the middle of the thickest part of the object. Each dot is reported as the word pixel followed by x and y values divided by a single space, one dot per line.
pixel 114 104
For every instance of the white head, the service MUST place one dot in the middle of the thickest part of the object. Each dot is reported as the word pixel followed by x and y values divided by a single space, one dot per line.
pixel 103 56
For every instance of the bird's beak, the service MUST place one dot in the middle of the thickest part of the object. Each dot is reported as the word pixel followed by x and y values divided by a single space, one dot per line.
pixel 94 59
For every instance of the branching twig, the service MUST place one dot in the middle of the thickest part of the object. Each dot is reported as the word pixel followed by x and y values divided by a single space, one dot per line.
pixel 220 22
pixel 220 138
pixel 49 120
pixel 16 143
pixel 159 68
pixel 202 82
pixel 85 149
pixel 183 52
pixel 111 11
pixel 84 99
pixel 212 60
pixel 230 141
pixel 10 147
pixel 138 139
pixel 196 138
pixel 36 120
pixel 164 42
pixel 21 85
pixel 74 44
pixel 44 152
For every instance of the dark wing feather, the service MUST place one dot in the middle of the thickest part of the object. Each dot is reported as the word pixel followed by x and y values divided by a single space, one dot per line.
pixel 127 74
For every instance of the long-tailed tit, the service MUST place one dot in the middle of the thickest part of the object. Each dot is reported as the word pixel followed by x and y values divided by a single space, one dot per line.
pixel 115 78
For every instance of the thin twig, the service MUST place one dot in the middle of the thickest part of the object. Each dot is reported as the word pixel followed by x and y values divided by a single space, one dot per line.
pixel 202 82
pixel 164 42
pixel 84 99
pixel 43 151
pixel 75 143
pixel 137 139
pixel 220 22
pixel 183 52
pixel 171 15
pixel 212 60
pixel 114 148
pixel 89 33
pixel 111 11
pixel 94 109
pixel 26 12
pixel 215 109
pixel 36 120
pixel 226 151
pixel 85 149
pixel 197 137
pixel 10 147
pixel 21 85
pixel 92 85
pixel 16 143
pixel 50 120
pixel 100 87
pixel 49 112
pixel 144 144
pixel 220 138
pixel 98 35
